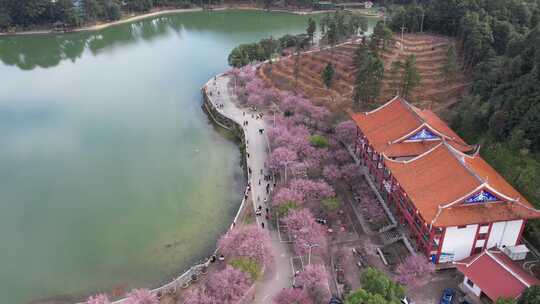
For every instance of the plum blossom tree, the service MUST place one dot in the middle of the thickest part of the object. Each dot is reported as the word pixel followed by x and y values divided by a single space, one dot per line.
pixel 280 159
pixel 299 169
pixel 226 286
pixel 292 296
pixel 286 134
pixel 141 296
pixel 331 173
pixel 249 241
pixel 351 174
pixel 314 191
pixel 285 195
pixel 346 132
pixel 314 281
pixel 342 156
pixel 98 299
pixel 304 231
pixel 412 268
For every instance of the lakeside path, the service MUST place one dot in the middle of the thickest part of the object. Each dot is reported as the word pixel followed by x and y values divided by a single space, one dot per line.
pixel 280 275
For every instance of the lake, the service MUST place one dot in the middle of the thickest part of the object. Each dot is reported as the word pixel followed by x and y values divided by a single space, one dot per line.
pixel 111 176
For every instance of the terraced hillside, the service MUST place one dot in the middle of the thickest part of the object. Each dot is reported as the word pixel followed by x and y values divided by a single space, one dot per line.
pixel 431 55
pixel 430 51
pixel 281 74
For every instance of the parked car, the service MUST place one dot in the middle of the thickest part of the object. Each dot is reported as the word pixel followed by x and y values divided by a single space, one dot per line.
pixel 406 300
pixel 335 300
pixel 447 296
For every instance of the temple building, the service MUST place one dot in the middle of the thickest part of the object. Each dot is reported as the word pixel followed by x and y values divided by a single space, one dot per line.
pixel 453 202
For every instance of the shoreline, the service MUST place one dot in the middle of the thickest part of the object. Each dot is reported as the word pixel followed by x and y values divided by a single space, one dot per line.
pixel 133 18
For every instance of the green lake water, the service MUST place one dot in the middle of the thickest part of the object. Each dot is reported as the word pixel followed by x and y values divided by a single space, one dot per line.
pixel 111 176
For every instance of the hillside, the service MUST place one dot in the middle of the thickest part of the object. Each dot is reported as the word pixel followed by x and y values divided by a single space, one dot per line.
pixel 433 91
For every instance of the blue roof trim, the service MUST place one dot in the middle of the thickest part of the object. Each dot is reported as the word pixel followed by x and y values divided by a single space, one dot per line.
pixel 483 196
pixel 423 134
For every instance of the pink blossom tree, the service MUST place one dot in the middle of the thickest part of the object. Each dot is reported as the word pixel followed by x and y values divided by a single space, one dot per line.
pixel 285 195
pixel 331 173
pixel 305 231
pixel 342 156
pixel 314 191
pixel 299 169
pixel 351 174
pixel 346 132
pixel 314 281
pixel 98 299
pixel 141 296
pixel 280 159
pixel 412 269
pixel 249 241
pixel 292 296
pixel 227 286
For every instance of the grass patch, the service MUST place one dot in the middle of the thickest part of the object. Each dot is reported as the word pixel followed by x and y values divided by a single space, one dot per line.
pixel 249 266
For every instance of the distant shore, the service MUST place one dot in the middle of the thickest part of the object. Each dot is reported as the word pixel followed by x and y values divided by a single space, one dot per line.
pixel 132 18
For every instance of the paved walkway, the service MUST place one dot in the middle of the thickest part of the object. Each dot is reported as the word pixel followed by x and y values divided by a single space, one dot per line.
pixel 257 147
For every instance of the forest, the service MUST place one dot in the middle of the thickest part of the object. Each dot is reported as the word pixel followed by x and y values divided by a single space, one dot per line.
pixel 500 49
pixel 74 12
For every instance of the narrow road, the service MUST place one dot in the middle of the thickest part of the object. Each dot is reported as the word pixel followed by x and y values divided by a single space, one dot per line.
pixel 257 148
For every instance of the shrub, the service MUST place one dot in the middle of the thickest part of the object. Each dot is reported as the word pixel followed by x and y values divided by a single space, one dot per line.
pixel 248 266
pixel 318 141
pixel 331 204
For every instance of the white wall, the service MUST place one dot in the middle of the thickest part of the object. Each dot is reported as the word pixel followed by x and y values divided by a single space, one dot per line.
pixel 474 289
pixel 459 241
pixel 504 233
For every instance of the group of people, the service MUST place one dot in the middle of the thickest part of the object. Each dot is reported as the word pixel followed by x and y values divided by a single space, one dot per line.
pixel 263 176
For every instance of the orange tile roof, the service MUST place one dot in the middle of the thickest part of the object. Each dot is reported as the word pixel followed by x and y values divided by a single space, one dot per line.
pixel 386 125
pixel 438 181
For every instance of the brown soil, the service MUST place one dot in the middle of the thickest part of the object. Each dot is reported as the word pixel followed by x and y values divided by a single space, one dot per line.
pixel 434 91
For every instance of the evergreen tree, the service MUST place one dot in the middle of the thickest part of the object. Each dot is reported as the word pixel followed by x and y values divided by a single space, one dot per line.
pixel 451 65
pixel 327 77
pixel 312 27
pixel 411 76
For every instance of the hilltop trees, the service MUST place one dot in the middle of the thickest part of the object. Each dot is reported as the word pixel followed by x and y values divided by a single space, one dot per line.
pixel 369 70
pixel 451 65
pixel 311 28
pixel 410 76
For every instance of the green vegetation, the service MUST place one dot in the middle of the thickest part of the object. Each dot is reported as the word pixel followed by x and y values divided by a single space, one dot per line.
pixel 369 65
pixel 248 266
pixel 531 295
pixel 377 288
pixel 328 75
pixel 331 204
pixel 410 76
pixel 265 49
pixel 341 25
pixel 283 209
pixel 29 13
pixel 451 66
pixel 369 75
pixel 318 141
pixel 500 47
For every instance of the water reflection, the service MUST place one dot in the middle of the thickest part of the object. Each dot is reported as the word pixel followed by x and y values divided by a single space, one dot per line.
pixel 29 52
